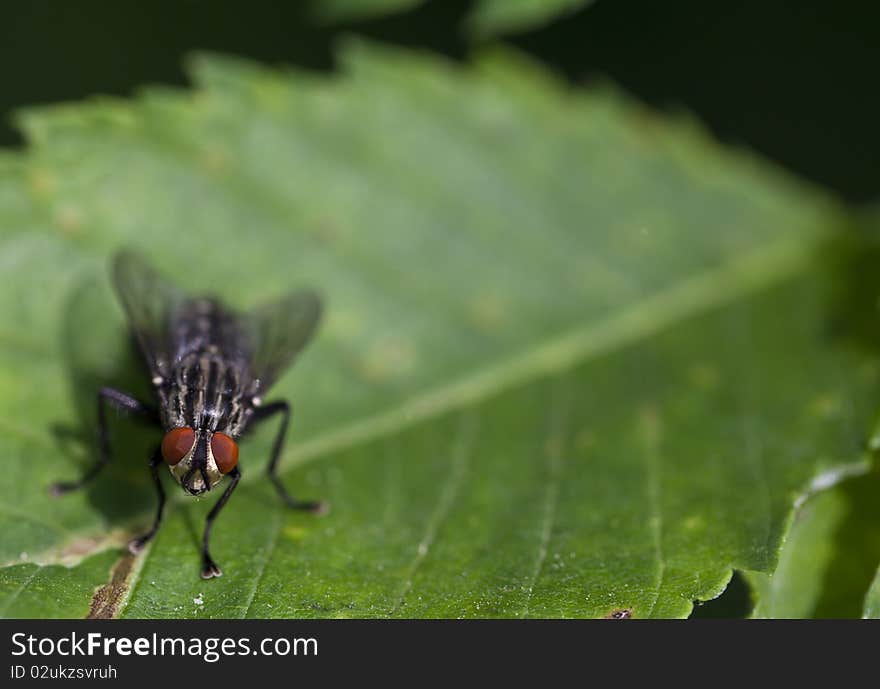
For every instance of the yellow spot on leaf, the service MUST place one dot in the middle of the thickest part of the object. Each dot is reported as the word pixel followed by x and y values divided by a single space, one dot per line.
pixel 42 182
pixel 487 313
pixel 825 406
pixel 69 219
pixel 585 439
pixel 216 160
pixel 390 357
pixel 693 522
pixel 704 376
pixel 295 533
pixel 553 445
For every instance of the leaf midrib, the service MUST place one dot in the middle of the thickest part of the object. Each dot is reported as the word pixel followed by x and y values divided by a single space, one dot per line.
pixel 700 293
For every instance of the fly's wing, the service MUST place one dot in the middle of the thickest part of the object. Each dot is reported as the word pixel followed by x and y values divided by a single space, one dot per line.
pixel 150 302
pixel 277 332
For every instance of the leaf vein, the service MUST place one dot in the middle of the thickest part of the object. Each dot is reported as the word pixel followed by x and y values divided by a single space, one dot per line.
pixel 461 452
pixel 651 425
pixel 558 428
pixel 14 596
pixel 273 543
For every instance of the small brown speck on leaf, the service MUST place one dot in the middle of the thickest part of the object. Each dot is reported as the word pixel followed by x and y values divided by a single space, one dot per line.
pixel 622 614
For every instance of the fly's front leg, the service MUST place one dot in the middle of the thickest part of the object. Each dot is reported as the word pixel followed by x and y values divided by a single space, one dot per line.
pixel 283 408
pixel 137 544
pixel 209 567
pixel 122 401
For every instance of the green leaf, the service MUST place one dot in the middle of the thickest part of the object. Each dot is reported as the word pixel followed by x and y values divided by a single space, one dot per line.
pixel 561 374
pixel 55 591
pixel 487 18
pixel 353 10
pixel 495 17
pixel 872 600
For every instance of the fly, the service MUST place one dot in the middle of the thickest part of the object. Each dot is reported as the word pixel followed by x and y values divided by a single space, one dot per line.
pixel 210 369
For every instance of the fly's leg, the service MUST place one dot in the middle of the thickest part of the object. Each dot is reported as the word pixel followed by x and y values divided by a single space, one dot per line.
pixel 209 567
pixel 137 544
pixel 122 401
pixel 261 413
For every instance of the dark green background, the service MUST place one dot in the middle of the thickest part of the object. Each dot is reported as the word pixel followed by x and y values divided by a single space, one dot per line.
pixel 795 81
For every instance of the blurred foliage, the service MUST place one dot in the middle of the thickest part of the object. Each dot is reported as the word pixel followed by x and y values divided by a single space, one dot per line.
pixel 349 10
pixel 487 17
pixel 830 556
pixel 492 17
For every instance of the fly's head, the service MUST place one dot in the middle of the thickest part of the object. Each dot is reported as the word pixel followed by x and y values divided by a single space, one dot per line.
pixel 198 458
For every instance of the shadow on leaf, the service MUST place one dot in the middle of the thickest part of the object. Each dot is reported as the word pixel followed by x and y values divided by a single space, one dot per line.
pixel 98 352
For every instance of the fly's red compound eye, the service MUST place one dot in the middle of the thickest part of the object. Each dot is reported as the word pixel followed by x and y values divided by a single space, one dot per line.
pixel 225 451
pixel 177 443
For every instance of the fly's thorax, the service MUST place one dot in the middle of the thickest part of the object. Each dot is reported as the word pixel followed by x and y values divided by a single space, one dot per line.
pixel 206 391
